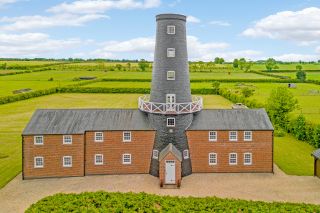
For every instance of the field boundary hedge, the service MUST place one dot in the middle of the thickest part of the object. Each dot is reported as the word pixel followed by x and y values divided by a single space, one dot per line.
pixel 102 201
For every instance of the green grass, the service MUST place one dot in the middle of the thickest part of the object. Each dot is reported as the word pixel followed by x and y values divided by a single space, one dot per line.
pixel 102 201
pixel 293 156
pixel 15 116
pixel 288 66
pixel 310 75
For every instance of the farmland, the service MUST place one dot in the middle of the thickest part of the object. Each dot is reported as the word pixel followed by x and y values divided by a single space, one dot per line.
pixel 16 115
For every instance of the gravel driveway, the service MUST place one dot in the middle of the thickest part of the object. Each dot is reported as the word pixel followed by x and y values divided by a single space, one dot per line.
pixel 19 195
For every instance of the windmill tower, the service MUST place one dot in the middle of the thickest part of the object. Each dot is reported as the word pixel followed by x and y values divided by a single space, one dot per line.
pixel 170 104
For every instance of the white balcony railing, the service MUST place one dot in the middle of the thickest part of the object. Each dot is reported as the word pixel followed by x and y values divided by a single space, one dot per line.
pixel 170 108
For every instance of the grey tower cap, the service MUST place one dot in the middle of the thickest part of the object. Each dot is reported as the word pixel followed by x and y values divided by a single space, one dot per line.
pixel 171 16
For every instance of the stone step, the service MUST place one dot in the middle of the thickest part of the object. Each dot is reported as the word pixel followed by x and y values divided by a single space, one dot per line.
pixel 170 186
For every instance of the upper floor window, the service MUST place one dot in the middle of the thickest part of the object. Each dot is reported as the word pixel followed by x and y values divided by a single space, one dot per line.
pixel 247 158
pixel 171 122
pixel 171 29
pixel 171 52
pixel 185 154
pixel 212 135
pixel 233 159
pixel 126 159
pixel 67 139
pixel 233 136
pixel 98 159
pixel 38 162
pixel 213 159
pixel 171 75
pixel 98 136
pixel 67 161
pixel 247 136
pixel 155 154
pixel 38 140
pixel 126 137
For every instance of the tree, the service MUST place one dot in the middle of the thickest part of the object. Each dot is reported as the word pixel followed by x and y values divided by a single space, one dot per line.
pixel 247 66
pixel 129 66
pixel 241 63
pixel 143 64
pixel 299 67
pixel 235 63
pixel 216 87
pixel 247 92
pixel 301 75
pixel 299 128
pixel 280 103
pixel 271 64
pixel 218 60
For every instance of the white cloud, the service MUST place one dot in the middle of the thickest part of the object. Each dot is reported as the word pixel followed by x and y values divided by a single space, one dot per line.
pixel 4 2
pixel 292 57
pixel 100 6
pixel 39 22
pixel 192 19
pixel 33 45
pixel 318 50
pixel 220 23
pixel 300 26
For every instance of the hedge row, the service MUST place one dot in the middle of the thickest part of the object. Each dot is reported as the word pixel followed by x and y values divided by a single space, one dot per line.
pixel 102 201
pixel 25 71
pixel 270 74
pixel 280 71
pixel 103 90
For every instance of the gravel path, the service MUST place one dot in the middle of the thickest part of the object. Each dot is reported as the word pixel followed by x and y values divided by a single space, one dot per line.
pixel 19 195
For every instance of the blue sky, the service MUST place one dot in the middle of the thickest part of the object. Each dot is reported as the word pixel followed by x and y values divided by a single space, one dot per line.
pixel 287 30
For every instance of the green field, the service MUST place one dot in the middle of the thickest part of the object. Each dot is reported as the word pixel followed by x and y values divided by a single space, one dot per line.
pixel 310 75
pixel 315 66
pixel 15 116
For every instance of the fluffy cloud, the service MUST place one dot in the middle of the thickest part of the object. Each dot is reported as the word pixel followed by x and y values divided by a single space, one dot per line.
pixel 220 23
pixel 292 57
pixel 192 19
pixel 301 26
pixel 4 2
pixel 33 45
pixel 145 47
pixel 39 22
pixel 100 6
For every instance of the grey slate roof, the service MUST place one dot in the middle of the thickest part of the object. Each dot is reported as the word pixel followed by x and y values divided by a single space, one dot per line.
pixel 316 154
pixel 77 121
pixel 231 119
pixel 170 148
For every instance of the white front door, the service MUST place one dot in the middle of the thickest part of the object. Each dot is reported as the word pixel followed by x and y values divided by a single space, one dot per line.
pixel 170 177
pixel 170 102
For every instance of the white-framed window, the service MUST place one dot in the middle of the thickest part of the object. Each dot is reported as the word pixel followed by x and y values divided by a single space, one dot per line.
pixel 67 139
pixel 247 158
pixel 171 122
pixel 247 136
pixel 233 159
pixel 213 158
pixel 38 162
pixel 98 159
pixel 185 154
pixel 126 159
pixel 171 75
pixel 126 137
pixel 213 136
pixel 171 52
pixel 38 140
pixel 67 161
pixel 155 154
pixel 171 29
pixel 98 136
pixel 233 136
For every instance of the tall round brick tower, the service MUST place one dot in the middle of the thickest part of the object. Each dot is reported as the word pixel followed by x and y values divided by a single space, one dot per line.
pixel 170 104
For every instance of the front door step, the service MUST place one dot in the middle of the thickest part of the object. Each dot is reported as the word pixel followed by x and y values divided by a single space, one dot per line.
pixel 170 186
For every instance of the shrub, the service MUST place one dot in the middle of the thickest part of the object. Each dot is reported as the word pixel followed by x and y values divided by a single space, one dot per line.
pixel 50 79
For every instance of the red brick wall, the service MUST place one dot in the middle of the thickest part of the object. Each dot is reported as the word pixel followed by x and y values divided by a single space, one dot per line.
pixel 261 148
pixel 162 168
pixel 112 149
pixel 53 151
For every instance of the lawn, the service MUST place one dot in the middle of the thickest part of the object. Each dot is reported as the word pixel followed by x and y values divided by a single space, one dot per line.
pixel 293 156
pixel 15 116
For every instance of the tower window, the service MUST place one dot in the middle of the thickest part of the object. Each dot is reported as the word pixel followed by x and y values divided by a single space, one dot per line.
pixel 171 29
pixel 171 52
pixel 155 154
pixel 185 154
pixel 171 122
pixel 171 75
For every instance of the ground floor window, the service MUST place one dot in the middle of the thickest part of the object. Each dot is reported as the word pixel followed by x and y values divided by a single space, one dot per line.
pixel 213 158
pixel 247 158
pixel 233 159
pixel 126 159
pixel 38 162
pixel 67 161
pixel 98 159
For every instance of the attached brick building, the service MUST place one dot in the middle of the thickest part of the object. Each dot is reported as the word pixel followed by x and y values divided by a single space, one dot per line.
pixel 316 155
pixel 170 136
